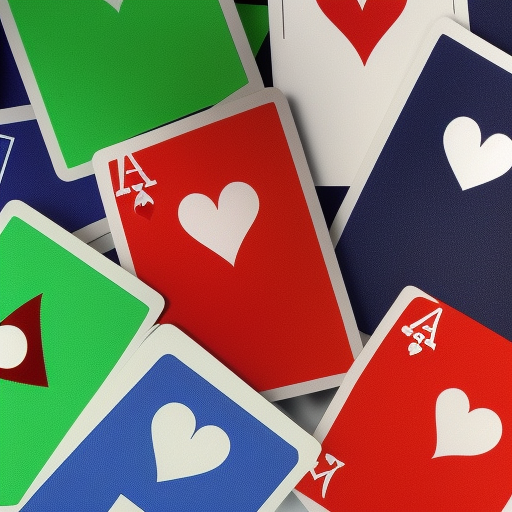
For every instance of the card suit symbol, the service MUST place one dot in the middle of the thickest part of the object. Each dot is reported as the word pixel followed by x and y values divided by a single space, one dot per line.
pixel 364 26
pixel 21 346
pixel 116 4
pixel 221 229
pixel 414 349
pixel 472 162
pixel 461 432
pixel 144 205
pixel 181 450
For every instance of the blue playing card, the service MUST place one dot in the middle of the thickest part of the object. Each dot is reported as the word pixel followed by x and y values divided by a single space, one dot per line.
pixel 27 174
pixel 432 206
pixel 185 435
pixel 12 90
pixel 491 19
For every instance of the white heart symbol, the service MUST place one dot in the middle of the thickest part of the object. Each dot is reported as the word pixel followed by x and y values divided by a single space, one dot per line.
pixel 414 349
pixel 116 4
pixel 180 450
pixel 13 346
pixel 221 229
pixel 474 163
pixel 460 432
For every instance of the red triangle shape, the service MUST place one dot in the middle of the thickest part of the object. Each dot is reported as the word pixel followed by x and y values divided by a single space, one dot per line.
pixel 32 369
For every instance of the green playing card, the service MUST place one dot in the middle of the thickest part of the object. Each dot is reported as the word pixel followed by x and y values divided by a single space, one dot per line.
pixel 87 313
pixel 100 71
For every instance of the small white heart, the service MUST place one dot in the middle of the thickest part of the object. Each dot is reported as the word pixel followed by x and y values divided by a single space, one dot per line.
pixel 180 450
pixel 13 346
pixel 474 163
pixel 116 4
pixel 461 432
pixel 221 229
pixel 414 349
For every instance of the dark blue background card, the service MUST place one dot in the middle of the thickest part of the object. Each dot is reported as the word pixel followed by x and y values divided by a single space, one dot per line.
pixel 12 90
pixel 413 224
pixel 29 176
pixel 118 457
pixel 491 20
pixel 330 201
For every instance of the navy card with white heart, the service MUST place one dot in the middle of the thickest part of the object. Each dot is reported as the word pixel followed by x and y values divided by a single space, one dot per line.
pixel 432 203
pixel 176 431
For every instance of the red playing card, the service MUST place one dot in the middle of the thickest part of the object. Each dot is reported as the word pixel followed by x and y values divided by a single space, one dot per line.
pixel 225 232
pixel 420 430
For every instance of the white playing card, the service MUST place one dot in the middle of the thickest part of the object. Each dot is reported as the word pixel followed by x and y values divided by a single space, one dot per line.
pixel 339 64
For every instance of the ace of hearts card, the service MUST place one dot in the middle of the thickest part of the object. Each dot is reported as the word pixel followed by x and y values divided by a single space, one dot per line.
pixel 423 416
pixel 218 212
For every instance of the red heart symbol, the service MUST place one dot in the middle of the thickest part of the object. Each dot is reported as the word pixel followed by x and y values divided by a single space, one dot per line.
pixel 363 27
pixel 145 210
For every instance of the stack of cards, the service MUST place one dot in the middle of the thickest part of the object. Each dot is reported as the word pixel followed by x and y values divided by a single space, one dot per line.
pixel 170 428
pixel 141 132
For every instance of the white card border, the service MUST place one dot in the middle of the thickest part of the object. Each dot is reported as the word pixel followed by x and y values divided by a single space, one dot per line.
pixel 168 339
pixel 218 113
pixel 446 27
pixel 66 173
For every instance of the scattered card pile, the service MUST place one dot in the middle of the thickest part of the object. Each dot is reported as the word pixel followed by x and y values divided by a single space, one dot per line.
pixel 166 269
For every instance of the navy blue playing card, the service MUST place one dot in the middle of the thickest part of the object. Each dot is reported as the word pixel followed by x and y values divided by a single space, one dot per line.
pixel 12 90
pixel 491 20
pixel 27 174
pixel 432 206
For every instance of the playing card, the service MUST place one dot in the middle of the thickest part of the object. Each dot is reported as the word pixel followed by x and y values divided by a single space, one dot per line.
pixel 490 19
pixel 339 63
pixel 423 414
pixel 12 91
pixel 68 316
pixel 431 204
pixel 177 431
pixel 101 71
pixel 27 174
pixel 219 214
pixel 254 17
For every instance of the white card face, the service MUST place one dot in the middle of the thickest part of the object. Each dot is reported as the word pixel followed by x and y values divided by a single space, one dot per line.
pixel 339 64
pixel 175 431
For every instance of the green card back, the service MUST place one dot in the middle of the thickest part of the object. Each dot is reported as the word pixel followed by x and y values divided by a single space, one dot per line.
pixel 106 75
pixel 87 320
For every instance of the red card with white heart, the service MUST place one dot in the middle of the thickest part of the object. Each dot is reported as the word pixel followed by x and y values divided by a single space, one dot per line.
pixel 218 212
pixel 422 421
